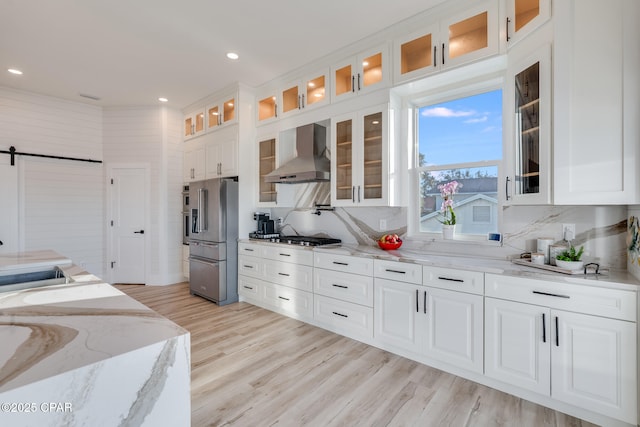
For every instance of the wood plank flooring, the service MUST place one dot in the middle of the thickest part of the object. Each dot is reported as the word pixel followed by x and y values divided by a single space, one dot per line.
pixel 253 367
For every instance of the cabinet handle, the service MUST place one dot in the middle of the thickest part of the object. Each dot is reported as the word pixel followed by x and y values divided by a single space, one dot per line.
pixel 353 84
pixel 450 279
pixel 551 295
pixel 275 110
pixel 248 287
pixel 286 299
pixel 284 254
pixel 395 271
pixel 248 249
pixel 303 100
pixel 557 335
pixel 358 194
pixel 358 82
pixel 417 301
pixel 508 22
pixel 339 314
pixel 248 266
pixel 340 286
pixel 353 193
pixel 340 263
pixel 299 102
pixel 284 274
pixel 435 62
pixel 442 53
pixel 425 302
pixel 506 189
pixel 544 328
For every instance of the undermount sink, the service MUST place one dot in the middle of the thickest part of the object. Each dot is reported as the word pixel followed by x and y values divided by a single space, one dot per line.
pixel 32 279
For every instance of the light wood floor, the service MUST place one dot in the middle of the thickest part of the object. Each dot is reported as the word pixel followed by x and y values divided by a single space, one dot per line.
pixel 253 367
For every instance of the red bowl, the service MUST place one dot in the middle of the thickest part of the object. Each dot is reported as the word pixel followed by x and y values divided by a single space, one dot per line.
pixel 389 246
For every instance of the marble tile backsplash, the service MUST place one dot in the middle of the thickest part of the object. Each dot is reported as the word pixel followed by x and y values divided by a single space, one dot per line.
pixel 601 229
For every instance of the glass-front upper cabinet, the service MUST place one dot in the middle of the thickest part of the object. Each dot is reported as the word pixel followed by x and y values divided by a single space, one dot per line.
pixel 464 37
pixel 221 112
pixel 366 72
pixel 305 93
pixel 359 167
pixel 524 16
pixel 529 147
pixel 194 124
pixel 267 108
pixel 267 163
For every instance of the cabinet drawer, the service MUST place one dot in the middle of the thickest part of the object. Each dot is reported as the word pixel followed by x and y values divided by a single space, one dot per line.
pixel 293 275
pixel 249 287
pixel 250 266
pixel 250 249
pixel 614 303
pixel 349 319
pixel 344 263
pixel 291 301
pixel 456 280
pixel 400 271
pixel 344 286
pixel 288 254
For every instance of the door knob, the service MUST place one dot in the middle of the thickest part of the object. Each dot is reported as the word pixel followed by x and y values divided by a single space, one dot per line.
pixel 139 232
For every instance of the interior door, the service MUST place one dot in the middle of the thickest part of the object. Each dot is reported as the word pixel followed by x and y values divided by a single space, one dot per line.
pixel 128 220
pixel 8 205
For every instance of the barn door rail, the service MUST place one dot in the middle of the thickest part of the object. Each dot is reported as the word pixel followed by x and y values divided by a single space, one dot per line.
pixel 13 153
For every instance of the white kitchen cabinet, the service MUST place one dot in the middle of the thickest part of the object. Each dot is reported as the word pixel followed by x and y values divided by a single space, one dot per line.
pixel 222 111
pixel 596 155
pixel 360 158
pixel 194 124
pixel 577 344
pixel 360 74
pixel 524 17
pixel 305 94
pixel 194 161
pixel 221 153
pixel 290 301
pixel 267 105
pixel 527 128
pixel 267 161
pixel 460 38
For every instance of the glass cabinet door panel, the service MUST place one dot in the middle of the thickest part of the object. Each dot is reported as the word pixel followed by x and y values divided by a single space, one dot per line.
pixel 229 110
pixel 188 123
pixel 315 90
pixel 199 122
pixel 343 80
pixel 372 160
pixel 267 108
pixel 416 54
pixel 469 35
pixel 290 99
pixel 267 156
pixel 527 99
pixel 213 114
pixel 372 70
pixel 344 159
pixel 525 12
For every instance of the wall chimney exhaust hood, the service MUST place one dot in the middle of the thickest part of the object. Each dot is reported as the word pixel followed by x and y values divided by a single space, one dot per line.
pixel 311 163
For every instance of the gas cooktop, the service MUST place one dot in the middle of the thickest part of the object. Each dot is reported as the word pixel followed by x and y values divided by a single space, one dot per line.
pixel 295 240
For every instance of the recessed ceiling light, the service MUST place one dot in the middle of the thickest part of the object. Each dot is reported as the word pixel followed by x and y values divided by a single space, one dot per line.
pixel 232 55
pixel 14 71
pixel 161 99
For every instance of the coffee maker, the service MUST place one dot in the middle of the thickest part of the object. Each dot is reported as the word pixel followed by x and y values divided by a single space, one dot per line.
pixel 266 227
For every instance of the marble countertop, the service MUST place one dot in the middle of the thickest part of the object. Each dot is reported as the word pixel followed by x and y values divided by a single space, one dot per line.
pixel 54 329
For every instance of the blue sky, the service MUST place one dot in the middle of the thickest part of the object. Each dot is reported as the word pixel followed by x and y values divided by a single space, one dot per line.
pixel 463 130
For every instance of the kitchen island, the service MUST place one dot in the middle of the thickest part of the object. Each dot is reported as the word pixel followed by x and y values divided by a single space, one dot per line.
pixel 84 353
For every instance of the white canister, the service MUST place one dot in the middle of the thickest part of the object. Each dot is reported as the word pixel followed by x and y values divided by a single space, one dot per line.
pixel 537 258
pixel 543 247
pixel 555 250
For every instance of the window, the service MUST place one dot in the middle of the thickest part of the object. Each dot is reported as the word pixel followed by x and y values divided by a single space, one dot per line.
pixel 460 139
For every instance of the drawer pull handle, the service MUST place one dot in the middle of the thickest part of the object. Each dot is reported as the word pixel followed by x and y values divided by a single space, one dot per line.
pixel 551 295
pixel 284 254
pixel 248 266
pixel 248 287
pixel 395 271
pixel 284 274
pixel 450 279
pixel 340 314
pixel 340 286
pixel 340 263
pixel 248 249
pixel 286 299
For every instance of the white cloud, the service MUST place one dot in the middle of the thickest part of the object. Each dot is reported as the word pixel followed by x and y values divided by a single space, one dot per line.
pixel 478 120
pixel 446 112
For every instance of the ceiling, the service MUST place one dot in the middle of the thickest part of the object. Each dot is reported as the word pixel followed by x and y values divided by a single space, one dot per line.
pixel 130 52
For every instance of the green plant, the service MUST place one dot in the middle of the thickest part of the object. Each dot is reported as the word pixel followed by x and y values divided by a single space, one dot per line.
pixel 571 254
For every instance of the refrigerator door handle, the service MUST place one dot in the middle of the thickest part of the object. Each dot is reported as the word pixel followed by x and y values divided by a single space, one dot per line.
pixel 202 210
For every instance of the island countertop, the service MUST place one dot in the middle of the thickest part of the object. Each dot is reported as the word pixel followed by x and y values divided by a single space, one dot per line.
pixel 80 329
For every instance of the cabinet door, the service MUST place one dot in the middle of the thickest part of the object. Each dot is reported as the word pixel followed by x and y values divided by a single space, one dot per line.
pixel 364 73
pixel 398 322
pixel 524 16
pixel 267 194
pixel 469 36
pixel 454 333
pixel 415 54
pixel 194 124
pixel 594 364
pixel 517 344
pixel 373 158
pixel 343 190
pixel 267 110
pixel 528 132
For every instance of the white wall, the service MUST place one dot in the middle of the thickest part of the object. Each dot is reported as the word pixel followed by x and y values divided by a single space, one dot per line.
pixel 60 201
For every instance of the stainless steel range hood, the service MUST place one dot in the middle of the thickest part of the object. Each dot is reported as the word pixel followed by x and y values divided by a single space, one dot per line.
pixel 311 164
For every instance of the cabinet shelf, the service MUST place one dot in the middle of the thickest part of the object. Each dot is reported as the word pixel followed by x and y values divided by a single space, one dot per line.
pixel 373 138
pixel 344 187
pixel 373 186
pixel 530 174
pixel 530 130
pixel 373 162
pixel 344 165
pixel 529 104
pixel 268 157
pixel 339 144
pixel 268 192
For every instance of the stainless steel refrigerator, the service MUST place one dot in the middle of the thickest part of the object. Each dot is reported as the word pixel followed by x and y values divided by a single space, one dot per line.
pixel 213 243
